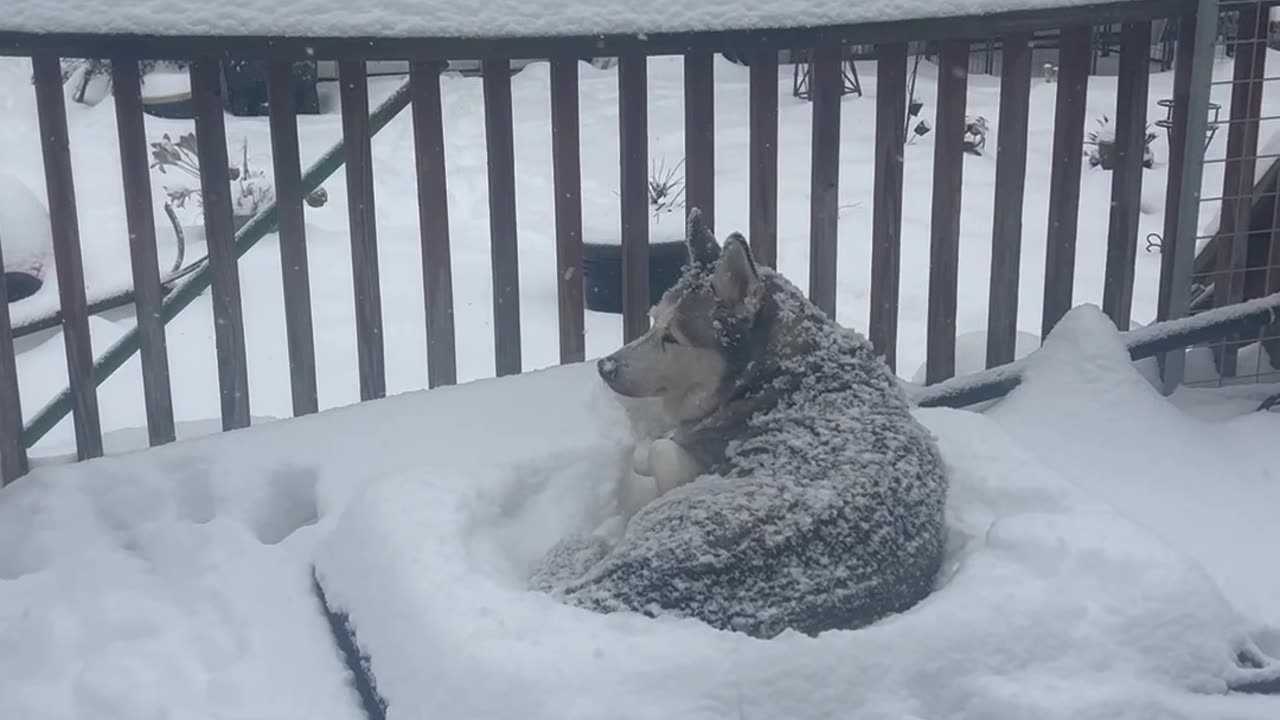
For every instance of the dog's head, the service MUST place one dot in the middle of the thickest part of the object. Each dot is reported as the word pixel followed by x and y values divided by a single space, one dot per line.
pixel 686 356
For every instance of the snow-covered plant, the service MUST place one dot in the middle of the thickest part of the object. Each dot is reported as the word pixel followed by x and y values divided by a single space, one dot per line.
pixel 913 111
pixel 1102 142
pixel 251 190
pixel 915 105
pixel 666 188
pixel 975 135
pixel 84 71
pixel 181 155
pixel 921 129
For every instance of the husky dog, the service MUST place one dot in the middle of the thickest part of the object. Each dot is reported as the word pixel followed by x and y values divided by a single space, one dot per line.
pixel 797 490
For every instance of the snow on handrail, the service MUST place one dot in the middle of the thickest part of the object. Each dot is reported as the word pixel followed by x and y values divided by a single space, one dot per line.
pixel 1145 342
pixel 492 18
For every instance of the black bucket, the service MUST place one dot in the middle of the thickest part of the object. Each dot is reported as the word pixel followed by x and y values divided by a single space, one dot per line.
pixel 602 273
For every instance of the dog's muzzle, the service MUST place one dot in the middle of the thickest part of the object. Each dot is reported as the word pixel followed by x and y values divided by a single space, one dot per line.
pixel 608 369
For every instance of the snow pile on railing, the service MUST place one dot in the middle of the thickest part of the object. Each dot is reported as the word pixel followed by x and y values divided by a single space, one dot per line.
pixel 492 18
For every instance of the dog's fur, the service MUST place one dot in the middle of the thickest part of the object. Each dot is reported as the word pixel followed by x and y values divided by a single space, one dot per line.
pixel 799 492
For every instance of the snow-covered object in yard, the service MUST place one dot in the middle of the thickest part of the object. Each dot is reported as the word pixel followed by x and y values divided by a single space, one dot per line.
pixel 25 236
pixel 975 135
pixel 826 511
pixel 1053 604
pixel 1102 143
pixel 448 18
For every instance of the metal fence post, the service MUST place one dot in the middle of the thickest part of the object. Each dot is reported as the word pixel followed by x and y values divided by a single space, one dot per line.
pixel 1201 29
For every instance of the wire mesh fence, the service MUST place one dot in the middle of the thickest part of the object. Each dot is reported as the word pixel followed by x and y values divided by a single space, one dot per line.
pixel 1238 245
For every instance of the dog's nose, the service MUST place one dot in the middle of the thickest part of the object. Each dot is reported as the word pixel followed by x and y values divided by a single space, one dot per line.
pixel 608 368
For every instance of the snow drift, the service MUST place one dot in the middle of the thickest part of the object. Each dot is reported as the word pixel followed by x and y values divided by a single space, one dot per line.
pixel 1053 603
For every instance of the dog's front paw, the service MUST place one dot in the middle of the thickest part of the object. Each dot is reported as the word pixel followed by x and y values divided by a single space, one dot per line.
pixel 672 465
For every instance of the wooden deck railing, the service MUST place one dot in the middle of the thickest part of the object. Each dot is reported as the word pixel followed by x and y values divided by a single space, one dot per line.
pixel 954 36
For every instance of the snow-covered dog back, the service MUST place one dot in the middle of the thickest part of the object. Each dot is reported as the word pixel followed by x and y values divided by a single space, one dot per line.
pixel 797 490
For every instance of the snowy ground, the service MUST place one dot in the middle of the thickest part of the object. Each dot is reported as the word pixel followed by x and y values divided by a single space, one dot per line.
pixel 1109 552
pixel 191 335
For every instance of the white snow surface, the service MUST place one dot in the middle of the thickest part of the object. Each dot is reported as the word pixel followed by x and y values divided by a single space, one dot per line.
pixel 492 18
pixel 1106 586
pixel 177 582
pixel 1094 573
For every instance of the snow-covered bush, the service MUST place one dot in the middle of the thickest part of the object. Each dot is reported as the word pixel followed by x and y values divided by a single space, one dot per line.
pixel 251 190
pixel 975 134
pixel 666 188
pixel 1102 142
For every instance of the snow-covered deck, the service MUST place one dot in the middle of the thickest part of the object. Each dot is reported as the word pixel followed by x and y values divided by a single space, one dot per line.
pixel 1105 562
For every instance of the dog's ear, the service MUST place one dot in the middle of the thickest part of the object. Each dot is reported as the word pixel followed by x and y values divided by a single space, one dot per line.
pixel 701 244
pixel 736 280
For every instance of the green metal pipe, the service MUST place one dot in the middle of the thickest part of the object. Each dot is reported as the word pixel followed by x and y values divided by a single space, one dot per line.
pixel 186 293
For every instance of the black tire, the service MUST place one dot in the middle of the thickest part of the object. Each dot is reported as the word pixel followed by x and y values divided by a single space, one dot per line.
pixel 20 286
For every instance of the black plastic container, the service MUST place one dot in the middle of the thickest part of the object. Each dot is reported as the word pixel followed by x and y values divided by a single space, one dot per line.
pixel 602 273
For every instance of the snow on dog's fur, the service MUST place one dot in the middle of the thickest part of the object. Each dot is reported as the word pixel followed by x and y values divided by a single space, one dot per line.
pixel 798 491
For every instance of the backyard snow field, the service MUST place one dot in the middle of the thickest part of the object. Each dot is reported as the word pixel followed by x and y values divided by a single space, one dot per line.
pixel 191 344
pixel 1093 572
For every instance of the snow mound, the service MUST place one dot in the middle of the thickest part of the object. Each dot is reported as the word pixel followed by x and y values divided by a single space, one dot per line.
pixel 1209 488
pixel 24 229
pixel 1053 603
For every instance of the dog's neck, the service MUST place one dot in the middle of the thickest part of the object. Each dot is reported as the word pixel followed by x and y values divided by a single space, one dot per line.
pixel 754 384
